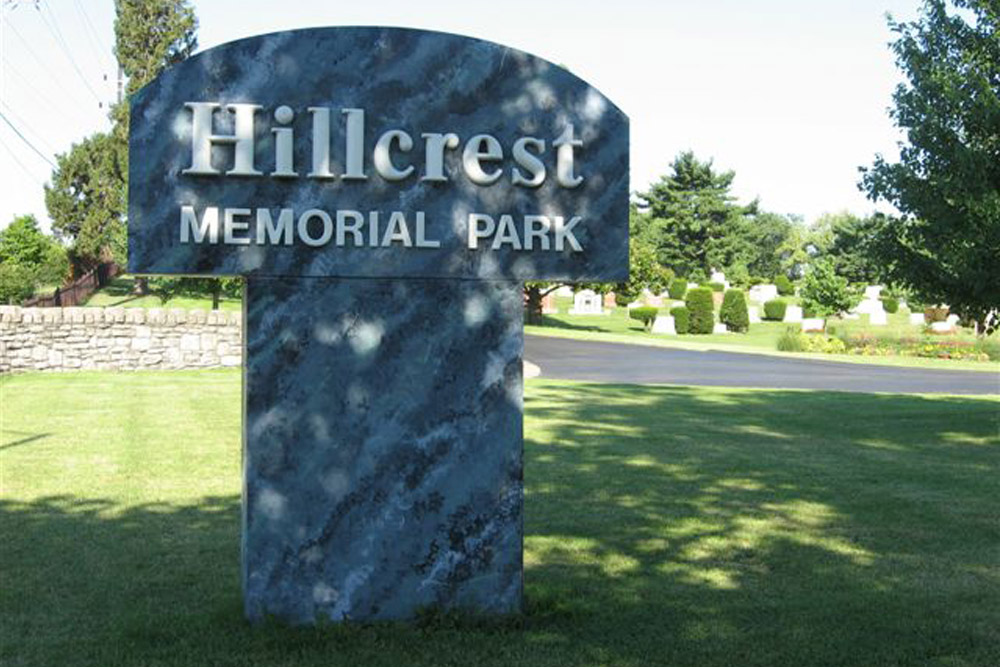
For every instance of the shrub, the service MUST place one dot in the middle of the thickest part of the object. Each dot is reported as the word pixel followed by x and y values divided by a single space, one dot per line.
pixel 699 303
pixel 645 314
pixel 790 340
pixel 774 310
pixel 682 319
pixel 809 310
pixel 784 285
pixel 935 314
pixel 891 304
pixel 678 288
pixel 826 293
pixel 734 313
pixel 715 287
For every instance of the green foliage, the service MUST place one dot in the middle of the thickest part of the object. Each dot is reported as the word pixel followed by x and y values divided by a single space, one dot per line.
pixel 776 244
pixel 790 340
pixel 784 285
pixel 774 310
pixel 847 242
pixel 17 283
pixel 945 244
pixel 678 288
pixel 29 258
pixel 699 303
pixel 715 287
pixel 826 293
pixel 170 288
pixel 890 304
pixel 694 223
pixel 645 272
pixel 734 313
pixel 682 319
pixel 645 314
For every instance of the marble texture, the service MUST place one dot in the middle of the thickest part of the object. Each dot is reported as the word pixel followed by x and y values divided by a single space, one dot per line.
pixel 414 80
pixel 382 448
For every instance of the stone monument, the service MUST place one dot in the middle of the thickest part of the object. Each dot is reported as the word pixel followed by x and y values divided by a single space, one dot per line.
pixel 385 193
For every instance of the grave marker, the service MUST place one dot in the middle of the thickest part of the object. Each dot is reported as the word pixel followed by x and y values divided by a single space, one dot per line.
pixel 385 192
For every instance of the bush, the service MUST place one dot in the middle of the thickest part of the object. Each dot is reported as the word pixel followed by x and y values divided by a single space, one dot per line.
pixel 935 314
pixel 774 310
pixel 17 283
pixel 645 314
pixel 784 285
pixel 715 287
pixel 682 319
pixel 678 288
pixel 809 310
pixel 699 303
pixel 790 340
pixel 734 313
pixel 891 304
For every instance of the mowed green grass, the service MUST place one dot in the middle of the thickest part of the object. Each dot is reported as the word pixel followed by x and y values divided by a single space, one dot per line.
pixel 664 526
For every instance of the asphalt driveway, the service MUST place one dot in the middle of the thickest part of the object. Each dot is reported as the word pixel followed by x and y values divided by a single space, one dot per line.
pixel 567 359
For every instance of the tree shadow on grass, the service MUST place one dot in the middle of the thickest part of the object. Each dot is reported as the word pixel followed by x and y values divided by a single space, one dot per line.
pixel 664 525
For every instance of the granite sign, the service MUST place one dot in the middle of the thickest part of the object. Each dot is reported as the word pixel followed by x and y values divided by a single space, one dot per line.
pixel 385 192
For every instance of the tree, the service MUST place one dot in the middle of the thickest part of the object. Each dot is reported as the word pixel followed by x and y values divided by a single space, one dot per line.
pixel 824 292
pixel 87 198
pixel 774 245
pixel 170 288
pixel 694 222
pixel 945 244
pixel 645 272
pixel 847 241
pixel 734 313
pixel 701 310
pixel 28 259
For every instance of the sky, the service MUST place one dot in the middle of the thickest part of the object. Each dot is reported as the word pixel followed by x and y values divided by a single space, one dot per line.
pixel 791 95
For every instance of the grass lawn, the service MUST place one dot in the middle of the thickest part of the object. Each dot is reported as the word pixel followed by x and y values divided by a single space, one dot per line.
pixel 119 293
pixel 762 338
pixel 664 525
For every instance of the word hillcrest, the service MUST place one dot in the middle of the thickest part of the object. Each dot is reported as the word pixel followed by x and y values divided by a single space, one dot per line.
pixel 481 156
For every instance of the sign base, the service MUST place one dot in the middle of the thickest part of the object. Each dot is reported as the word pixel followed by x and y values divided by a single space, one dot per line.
pixel 382 448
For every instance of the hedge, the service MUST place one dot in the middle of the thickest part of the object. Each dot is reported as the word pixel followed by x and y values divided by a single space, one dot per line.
pixel 682 319
pixel 645 314
pixel 699 303
pixel 891 304
pixel 734 313
pixel 774 310
pixel 784 285
pixel 678 288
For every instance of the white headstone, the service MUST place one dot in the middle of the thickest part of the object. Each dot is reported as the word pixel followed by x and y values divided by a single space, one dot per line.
pixel 942 327
pixel 903 304
pixel 763 293
pixel 877 318
pixel 692 285
pixel 754 313
pixel 873 292
pixel 720 328
pixel 850 316
pixel 793 314
pixel 587 302
pixel 917 319
pixel 813 324
pixel 870 306
pixel 952 320
pixel 664 324
pixel 719 277
pixel 636 304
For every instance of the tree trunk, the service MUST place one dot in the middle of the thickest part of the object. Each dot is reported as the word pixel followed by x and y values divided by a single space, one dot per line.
pixel 216 293
pixel 533 305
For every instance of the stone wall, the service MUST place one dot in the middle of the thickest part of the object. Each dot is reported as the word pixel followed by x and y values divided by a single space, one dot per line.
pixel 60 339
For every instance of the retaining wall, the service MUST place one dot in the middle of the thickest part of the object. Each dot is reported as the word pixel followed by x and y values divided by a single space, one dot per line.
pixel 62 339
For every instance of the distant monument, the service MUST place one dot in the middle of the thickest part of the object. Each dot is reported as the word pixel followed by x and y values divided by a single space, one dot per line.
pixel 385 192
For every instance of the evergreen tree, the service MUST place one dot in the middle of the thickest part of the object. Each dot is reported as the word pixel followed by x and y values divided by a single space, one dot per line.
pixel 694 222
pixel 734 313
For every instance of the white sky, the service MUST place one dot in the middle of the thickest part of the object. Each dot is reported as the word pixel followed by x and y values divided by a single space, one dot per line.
pixel 791 94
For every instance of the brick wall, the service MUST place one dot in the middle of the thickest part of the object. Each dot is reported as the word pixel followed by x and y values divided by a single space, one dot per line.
pixel 61 339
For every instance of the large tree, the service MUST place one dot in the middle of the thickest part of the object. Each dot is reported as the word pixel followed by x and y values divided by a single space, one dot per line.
pixel 29 259
pixel 945 244
pixel 695 223
pixel 87 197
pixel 847 242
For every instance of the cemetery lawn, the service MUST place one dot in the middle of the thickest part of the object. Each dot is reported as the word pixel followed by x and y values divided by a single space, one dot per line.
pixel 761 338
pixel 119 293
pixel 664 526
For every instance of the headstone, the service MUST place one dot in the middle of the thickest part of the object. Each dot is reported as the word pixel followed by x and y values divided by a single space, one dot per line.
pixel 917 319
pixel 873 292
pixel 952 319
pixel 754 313
pixel 609 301
pixel 664 324
pixel 871 303
pixel 877 318
pixel 719 277
pixel 903 304
pixel 692 285
pixel 384 192
pixel 813 324
pixel 763 293
pixel 651 299
pixel 793 314
pixel 549 304
pixel 942 328
pixel 720 328
pixel 587 302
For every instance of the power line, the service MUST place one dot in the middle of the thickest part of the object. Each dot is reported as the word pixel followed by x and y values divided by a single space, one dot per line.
pixel 8 68
pixel 31 52
pixel 92 35
pixel 27 128
pixel 25 140
pixel 17 161
pixel 61 43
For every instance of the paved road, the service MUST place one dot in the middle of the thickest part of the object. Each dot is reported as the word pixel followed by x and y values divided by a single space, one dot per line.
pixel 566 359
